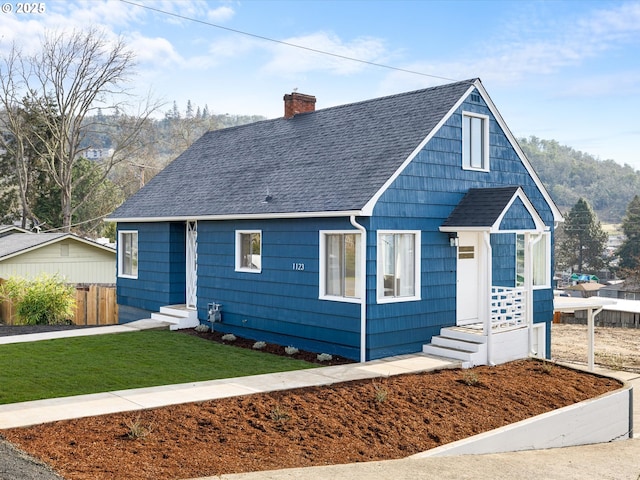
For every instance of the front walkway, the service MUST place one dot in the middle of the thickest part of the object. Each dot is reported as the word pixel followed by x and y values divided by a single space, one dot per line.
pixel 43 411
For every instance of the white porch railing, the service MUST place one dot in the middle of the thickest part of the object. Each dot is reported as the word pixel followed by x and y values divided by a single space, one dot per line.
pixel 507 308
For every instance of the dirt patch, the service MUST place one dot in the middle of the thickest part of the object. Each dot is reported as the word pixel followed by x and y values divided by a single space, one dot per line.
pixel 614 348
pixel 344 423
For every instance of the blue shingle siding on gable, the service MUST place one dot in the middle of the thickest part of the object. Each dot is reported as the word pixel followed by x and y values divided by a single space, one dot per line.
pixel 517 218
pixel 421 198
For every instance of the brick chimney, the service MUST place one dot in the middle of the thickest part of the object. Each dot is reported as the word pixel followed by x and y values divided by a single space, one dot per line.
pixel 295 103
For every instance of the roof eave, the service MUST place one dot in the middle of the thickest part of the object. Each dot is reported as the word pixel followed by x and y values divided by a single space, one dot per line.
pixel 251 216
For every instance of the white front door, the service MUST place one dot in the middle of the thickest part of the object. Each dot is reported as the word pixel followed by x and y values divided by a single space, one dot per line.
pixel 192 264
pixel 467 283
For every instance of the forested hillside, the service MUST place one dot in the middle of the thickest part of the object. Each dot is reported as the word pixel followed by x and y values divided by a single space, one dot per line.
pixel 569 175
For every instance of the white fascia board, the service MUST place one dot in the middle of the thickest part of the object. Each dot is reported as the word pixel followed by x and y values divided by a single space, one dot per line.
pixel 455 229
pixel 253 216
pixel 537 220
pixel 557 215
pixel 368 208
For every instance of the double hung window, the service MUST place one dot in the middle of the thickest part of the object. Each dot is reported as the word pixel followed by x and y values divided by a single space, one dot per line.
pixel 398 266
pixel 541 264
pixel 128 254
pixel 340 265
pixel 475 141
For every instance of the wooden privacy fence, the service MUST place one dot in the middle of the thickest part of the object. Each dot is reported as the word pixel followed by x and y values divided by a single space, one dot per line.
pixel 95 305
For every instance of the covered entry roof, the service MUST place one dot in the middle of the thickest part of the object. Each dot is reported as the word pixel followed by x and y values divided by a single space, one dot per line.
pixel 484 209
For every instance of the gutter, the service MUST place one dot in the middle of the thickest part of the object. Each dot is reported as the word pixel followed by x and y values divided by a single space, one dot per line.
pixel 363 288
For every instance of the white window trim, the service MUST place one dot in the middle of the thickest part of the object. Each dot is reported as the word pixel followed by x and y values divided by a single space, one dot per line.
pixel 322 267
pixel 546 238
pixel 485 143
pixel 121 233
pixel 239 267
pixel 379 271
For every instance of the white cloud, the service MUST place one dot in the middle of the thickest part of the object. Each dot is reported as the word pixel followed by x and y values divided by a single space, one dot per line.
pixel 521 52
pixel 288 60
pixel 614 84
pixel 220 14
pixel 158 52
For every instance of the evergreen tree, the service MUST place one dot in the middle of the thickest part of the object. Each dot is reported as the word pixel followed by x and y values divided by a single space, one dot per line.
pixel 583 240
pixel 629 251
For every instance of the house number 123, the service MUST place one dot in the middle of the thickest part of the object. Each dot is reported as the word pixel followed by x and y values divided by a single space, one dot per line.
pixel 298 266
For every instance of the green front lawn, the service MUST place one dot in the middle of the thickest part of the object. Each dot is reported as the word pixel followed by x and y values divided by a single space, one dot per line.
pixel 102 363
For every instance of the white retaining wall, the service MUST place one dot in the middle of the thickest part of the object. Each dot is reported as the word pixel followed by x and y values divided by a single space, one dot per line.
pixel 603 419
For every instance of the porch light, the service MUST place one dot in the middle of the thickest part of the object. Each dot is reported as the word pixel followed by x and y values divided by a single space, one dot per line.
pixel 453 239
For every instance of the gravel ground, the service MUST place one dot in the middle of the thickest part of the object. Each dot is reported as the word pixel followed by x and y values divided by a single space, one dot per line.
pixel 16 465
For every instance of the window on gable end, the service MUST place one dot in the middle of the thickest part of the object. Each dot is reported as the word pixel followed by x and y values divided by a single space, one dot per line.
pixel 475 141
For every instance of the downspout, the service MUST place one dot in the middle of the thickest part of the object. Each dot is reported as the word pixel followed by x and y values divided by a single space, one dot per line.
pixel 529 287
pixel 487 298
pixel 363 288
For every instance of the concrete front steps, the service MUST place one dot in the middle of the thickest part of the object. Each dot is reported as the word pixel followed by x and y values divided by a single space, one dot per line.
pixel 177 316
pixel 466 344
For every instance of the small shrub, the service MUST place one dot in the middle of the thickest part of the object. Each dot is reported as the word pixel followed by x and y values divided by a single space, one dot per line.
pixel 470 378
pixel 547 367
pixel 202 328
pixel 291 350
pixel 279 414
pixel 138 431
pixel 259 345
pixel 324 357
pixel 45 300
pixel 229 337
pixel 380 392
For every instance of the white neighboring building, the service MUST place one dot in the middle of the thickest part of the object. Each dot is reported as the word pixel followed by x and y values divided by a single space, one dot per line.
pixel 98 153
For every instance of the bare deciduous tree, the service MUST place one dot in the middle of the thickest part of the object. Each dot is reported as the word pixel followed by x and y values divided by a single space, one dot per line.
pixel 73 75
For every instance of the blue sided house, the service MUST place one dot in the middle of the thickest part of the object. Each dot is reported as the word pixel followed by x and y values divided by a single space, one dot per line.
pixel 401 224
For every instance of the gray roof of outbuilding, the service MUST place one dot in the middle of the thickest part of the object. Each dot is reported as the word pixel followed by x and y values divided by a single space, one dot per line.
pixel 20 242
pixel 330 160
pixel 480 207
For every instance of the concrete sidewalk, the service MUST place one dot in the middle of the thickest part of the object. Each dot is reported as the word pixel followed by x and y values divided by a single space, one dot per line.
pixel 614 461
pixel 43 411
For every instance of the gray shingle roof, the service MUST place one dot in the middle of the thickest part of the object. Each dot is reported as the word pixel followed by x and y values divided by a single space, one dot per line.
pixel 18 242
pixel 480 207
pixel 329 160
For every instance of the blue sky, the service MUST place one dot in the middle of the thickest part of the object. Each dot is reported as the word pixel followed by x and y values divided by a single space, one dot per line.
pixel 562 70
